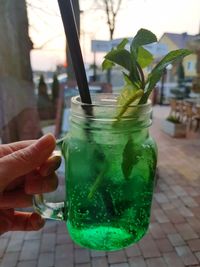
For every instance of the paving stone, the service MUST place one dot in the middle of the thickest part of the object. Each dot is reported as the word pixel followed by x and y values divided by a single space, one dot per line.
pixel 173 260
pixel 117 257
pixel 197 254
pixel 14 245
pixel 164 245
pixel 82 256
pixel 195 224
pixel 179 191
pixel 50 226
pixel 161 198
pixel 194 244
pixel 171 195
pixel 189 201
pixel 163 186
pixel 64 251
pixel 191 191
pixel 186 231
pixel 155 204
pixel 30 250
pixel 186 212
pixel 63 262
pixel 61 228
pixel 20 235
pixel 10 259
pixel 158 262
pixel 3 245
pixel 31 235
pixel 149 248
pixel 120 265
pixel 133 251
pixel 100 262
pixel 63 239
pixel 95 253
pixel 48 242
pixel 178 203
pixel 174 216
pixel 168 228
pixel 160 216
pixel 186 255
pixel 176 239
pixel 83 265
pixel 27 264
pixel 156 231
pixel 46 260
pixel 137 262
pixel 167 206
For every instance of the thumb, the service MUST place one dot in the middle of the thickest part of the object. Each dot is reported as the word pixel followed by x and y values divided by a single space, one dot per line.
pixel 25 160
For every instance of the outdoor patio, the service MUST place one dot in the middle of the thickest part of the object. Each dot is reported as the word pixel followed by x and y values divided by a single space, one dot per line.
pixel 174 235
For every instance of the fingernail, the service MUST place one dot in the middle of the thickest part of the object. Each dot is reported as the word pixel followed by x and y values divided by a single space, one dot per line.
pixel 37 221
pixel 45 171
pixel 46 143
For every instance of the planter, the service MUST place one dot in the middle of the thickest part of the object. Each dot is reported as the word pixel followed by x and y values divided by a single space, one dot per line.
pixel 174 129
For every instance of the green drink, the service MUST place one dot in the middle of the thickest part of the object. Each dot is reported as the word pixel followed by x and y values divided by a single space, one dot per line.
pixel 109 156
pixel 117 214
pixel 110 167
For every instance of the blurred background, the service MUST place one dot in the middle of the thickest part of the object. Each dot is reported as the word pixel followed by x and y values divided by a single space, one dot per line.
pixel 35 64
pixel 37 82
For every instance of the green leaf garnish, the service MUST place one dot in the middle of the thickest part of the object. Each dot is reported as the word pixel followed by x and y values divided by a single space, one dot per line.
pixel 130 158
pixel 158 70
pixel 137 87
pixel 122 44
pixel 144 57
pixel 120 57
pixel 133 61
pixel 143 37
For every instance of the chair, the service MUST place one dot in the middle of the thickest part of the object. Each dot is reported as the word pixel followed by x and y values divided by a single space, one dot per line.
pixel 196 117
pixel 174 108
pixel 182 110
pixel 189 114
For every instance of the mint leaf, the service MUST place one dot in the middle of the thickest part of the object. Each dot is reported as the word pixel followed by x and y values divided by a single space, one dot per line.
pixel 129 95
pixel 158 70
pixel 120 57
pixel 107 64
pixel 142 37
pixel 144 57
pixel 123 43
pixel 130 158
pixel 168 59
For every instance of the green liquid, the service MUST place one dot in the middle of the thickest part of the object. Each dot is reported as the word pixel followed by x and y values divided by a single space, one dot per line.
pixel 105 210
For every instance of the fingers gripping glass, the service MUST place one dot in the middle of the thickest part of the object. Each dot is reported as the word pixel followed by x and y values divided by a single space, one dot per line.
pixel 45 204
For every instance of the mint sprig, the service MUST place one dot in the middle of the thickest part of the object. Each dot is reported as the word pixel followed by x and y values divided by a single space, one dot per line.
pixel 134 59
pixel 137 88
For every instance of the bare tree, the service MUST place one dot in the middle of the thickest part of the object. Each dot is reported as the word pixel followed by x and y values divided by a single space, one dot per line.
pixel 18 115
pixel 111 8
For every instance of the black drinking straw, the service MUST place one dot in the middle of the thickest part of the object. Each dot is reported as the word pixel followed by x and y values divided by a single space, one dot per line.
pixel 68 18
pixel 69 23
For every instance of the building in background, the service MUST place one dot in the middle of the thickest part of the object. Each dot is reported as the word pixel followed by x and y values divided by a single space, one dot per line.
pixel 175 41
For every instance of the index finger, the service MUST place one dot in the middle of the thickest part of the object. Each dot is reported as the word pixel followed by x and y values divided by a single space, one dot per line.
pixel 25 160
pixel 6 149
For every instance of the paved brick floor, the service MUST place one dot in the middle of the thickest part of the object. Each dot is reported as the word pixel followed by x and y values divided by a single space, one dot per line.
pixel 174 234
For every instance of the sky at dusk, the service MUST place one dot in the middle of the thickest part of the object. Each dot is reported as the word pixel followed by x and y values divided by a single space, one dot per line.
pixel 47 34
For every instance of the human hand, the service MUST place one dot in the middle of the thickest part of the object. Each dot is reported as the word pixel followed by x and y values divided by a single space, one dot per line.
pixel 26 168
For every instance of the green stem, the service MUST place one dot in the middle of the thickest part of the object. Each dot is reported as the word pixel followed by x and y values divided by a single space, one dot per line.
pixel 137 95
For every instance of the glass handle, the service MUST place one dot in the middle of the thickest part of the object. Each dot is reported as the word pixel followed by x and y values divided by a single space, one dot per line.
pixel 49 209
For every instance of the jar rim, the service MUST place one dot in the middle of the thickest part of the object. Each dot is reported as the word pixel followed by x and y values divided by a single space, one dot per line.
pixel 76 100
